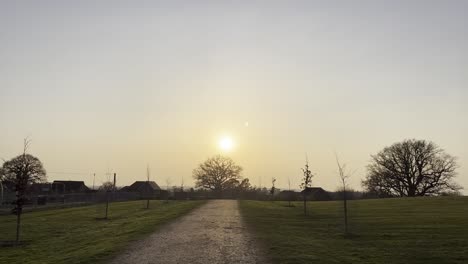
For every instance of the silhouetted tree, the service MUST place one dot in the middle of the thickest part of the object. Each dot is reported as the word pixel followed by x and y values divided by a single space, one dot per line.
pixel 272 190
pixel 23 171
pixel 306 183
pixel 107 186
pixel 411 168
pixel 244 185
pixel 218 173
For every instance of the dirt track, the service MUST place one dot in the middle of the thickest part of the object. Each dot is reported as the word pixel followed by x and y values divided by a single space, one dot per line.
pixel 213 233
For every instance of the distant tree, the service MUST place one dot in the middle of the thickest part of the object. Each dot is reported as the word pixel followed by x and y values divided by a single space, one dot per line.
pixel 451 193
pixel 242 188
pixel 411 168
pixel 306 183
pixel 244 185
pixel 107 186
pixel 351 194
pixel 218 174
pixel 344 175
pixel 272 190
pixel 23 171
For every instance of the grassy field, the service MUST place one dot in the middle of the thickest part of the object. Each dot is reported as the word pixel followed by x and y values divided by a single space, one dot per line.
pixel 74 235
pixel 409 230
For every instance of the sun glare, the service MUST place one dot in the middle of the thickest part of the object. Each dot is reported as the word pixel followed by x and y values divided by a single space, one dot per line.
pixel 226 143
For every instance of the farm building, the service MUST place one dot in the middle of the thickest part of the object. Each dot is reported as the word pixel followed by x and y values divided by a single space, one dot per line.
pixel 143 187
pixel 316 194
pixel 41 188
pixel 69 187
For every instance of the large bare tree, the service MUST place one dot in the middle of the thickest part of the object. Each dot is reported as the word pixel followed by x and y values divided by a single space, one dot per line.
pixel 218 173
pixel 23 171
pixel 411 168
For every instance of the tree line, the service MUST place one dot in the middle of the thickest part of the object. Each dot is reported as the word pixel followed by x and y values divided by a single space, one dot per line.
pixel 408 168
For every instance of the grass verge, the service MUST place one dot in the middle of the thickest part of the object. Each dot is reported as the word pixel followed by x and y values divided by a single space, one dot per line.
pixel 407 230
pixel 75 235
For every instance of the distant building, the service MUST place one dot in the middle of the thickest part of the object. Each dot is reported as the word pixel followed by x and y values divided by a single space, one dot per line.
pixel 143 187
pixel 41 188
pixel 69 187
pixel 7 192
pixel 8 186
pixel 316 194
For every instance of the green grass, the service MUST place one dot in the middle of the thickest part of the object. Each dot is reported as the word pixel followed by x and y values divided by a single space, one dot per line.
pixel 409 230
pixel 74 235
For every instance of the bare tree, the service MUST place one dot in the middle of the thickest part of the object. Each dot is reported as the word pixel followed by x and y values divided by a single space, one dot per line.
pixel 106 186
pixel 218 173
pixel 411 168
pixel 344 176
pixel 306 183
pixel 23 170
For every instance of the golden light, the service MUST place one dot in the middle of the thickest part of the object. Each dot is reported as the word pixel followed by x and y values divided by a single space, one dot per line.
pixel 226 143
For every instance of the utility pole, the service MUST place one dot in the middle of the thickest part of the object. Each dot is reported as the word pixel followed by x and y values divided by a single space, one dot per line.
pixel 94 178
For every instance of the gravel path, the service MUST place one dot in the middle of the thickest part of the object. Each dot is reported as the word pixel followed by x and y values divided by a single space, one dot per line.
pixel 213 233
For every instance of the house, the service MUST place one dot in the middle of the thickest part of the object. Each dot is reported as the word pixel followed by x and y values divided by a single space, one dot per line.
pixel 143 187
pixel 316 194
pixel 69 187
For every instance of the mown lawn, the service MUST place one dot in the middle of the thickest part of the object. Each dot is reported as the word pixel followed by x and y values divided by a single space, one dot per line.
pixel 74 235
pixel 409 230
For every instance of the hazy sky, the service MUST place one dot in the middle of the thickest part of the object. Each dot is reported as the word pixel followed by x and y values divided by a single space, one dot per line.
pixel 117 85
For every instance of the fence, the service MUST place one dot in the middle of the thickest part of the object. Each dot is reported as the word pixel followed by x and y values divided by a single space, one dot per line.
pixel 38 202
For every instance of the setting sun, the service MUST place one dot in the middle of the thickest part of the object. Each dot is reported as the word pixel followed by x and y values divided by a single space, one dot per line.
pixel 226 143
